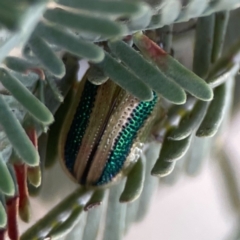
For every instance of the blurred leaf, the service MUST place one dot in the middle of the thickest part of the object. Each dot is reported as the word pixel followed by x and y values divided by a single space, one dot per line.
pixel 115 215
pixel 214 115
pixel 124 8
pixel 53 218
pixel 203 45
pixel 171 151
pixel 3 216
pixel 189 122
pixel 150 183
pixel 6 181
pixel 61 37
pixel 18 64
pixel 96 199
pixel 63 228
pixel 134 184
pixel 93 222
pixel 85 23
pixel 163 168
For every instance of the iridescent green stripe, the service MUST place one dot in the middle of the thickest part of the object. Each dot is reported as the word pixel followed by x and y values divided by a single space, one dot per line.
pixel 79 124
pixel 124 142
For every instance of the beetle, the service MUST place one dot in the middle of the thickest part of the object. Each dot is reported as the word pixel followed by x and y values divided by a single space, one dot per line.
pixel 104 132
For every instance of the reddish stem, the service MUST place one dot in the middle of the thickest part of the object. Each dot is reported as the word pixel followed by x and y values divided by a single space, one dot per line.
pixel 12 213
pixel 21 175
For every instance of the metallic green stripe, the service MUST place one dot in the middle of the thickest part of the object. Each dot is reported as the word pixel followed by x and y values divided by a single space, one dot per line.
pixel 79 124
pixel 126 139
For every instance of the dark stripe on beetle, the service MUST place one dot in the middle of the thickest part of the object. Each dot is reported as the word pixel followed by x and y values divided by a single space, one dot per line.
pixel 94 149
pixel 79 124
pixel 125 140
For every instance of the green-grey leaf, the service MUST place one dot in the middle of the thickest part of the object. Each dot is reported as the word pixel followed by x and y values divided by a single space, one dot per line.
pixel 46 56
pixel 63 228
pixel 3 216
pixel 150 183
pixel 85 23
pixel 96 199
pixel 214 115
pixel 25 97
pixel 173 150
pixel 134 185
pixel 188 80
pixel 226 66
pixel 17 135
pixel 106 7
pixel 96 76
pixel 163 168
pixel 6 181
pixel 52 219
pixel 124 78
pixel 198 153
pixel 226 73
pixel 189 122
pixel 52 84
pixel 148 73
pixel 10 15
pixel 18 64
pixel 203 40
pixel 173 69
pixel 61 37
pixel 91 229
pixel 115 215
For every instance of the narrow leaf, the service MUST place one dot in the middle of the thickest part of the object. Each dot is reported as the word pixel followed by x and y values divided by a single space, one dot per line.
pixel 228 71
pixel 173 150
pixel 46 56
pixel 43 227
pixel 18 64
pixel 173 69
pixel 17 135
pixel 220 29
pixel 134 185
pixel 93 223
pixel 163 168
pixel 25 97
pixel 3 215
pixel 203 40
pixel 148 73
pixel 124 78
pixel 106 7
pixel 189 122
pixel 63 228
pixel 226 66
pixel 115 215
pixel 86 23
pixel 150 183
pixel 53 86
pixel 96 199
pixel 197 155
pixel 10 15
pixel 214 115
pixel 6 181
pixel 96 76
pixel 62 38
pixel 34 176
